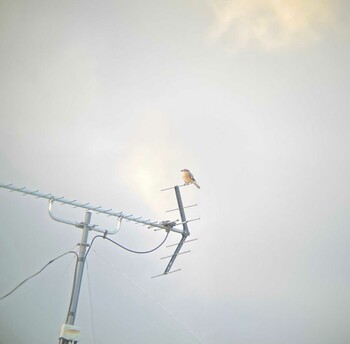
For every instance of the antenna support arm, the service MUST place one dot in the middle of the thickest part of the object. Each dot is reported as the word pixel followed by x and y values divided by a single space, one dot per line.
pixel 80 224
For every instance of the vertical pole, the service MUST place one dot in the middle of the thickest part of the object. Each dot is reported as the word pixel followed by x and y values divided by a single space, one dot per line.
pixel 186 231
pixel 78 275
pixel 181 209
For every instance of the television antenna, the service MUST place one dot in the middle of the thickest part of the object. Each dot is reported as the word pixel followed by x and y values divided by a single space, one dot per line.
pixel 70 334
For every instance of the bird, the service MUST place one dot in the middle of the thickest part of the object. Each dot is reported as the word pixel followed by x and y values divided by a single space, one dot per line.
pixel 188 177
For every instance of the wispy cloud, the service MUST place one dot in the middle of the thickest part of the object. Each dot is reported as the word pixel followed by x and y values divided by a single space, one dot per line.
pixel 270 24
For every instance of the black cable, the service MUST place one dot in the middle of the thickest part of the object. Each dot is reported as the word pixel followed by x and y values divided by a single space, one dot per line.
pixel 125 248
pixel 92 241
pixel 37 273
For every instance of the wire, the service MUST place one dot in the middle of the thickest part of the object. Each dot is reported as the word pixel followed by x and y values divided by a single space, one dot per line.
pixel 125 248
pixel 152 298
pixel 91 310
pixel 37 273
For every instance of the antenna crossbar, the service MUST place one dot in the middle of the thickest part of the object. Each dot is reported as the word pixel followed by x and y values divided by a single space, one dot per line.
pixel 187 206
pixel 185 242
pixel 184 252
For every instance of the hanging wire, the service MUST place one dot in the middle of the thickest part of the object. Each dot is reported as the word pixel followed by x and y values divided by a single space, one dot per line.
pixel 37 273
pixel 69 266
pixel 91 310
pixel 125 248
pixel 152 298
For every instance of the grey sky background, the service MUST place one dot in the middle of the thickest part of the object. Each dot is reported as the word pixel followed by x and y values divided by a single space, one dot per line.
pixel 106 101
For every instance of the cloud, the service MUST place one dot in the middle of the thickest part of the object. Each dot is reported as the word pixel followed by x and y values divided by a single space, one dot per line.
pixel 271 24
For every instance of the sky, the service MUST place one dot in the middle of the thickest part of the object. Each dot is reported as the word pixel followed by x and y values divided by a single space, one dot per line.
pixel 106 101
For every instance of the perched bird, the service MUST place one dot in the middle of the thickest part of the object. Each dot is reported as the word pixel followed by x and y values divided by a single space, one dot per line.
pixel 188 178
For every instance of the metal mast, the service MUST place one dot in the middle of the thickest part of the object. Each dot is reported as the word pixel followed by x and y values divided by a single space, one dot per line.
pixel 70 334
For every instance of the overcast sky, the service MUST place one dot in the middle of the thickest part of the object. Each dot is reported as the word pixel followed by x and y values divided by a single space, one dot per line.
pixel 106 101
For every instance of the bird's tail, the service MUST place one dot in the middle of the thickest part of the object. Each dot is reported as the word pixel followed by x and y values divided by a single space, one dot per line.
pixel 195 183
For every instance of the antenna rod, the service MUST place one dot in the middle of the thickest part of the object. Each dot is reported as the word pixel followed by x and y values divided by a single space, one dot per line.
pixel 86 206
